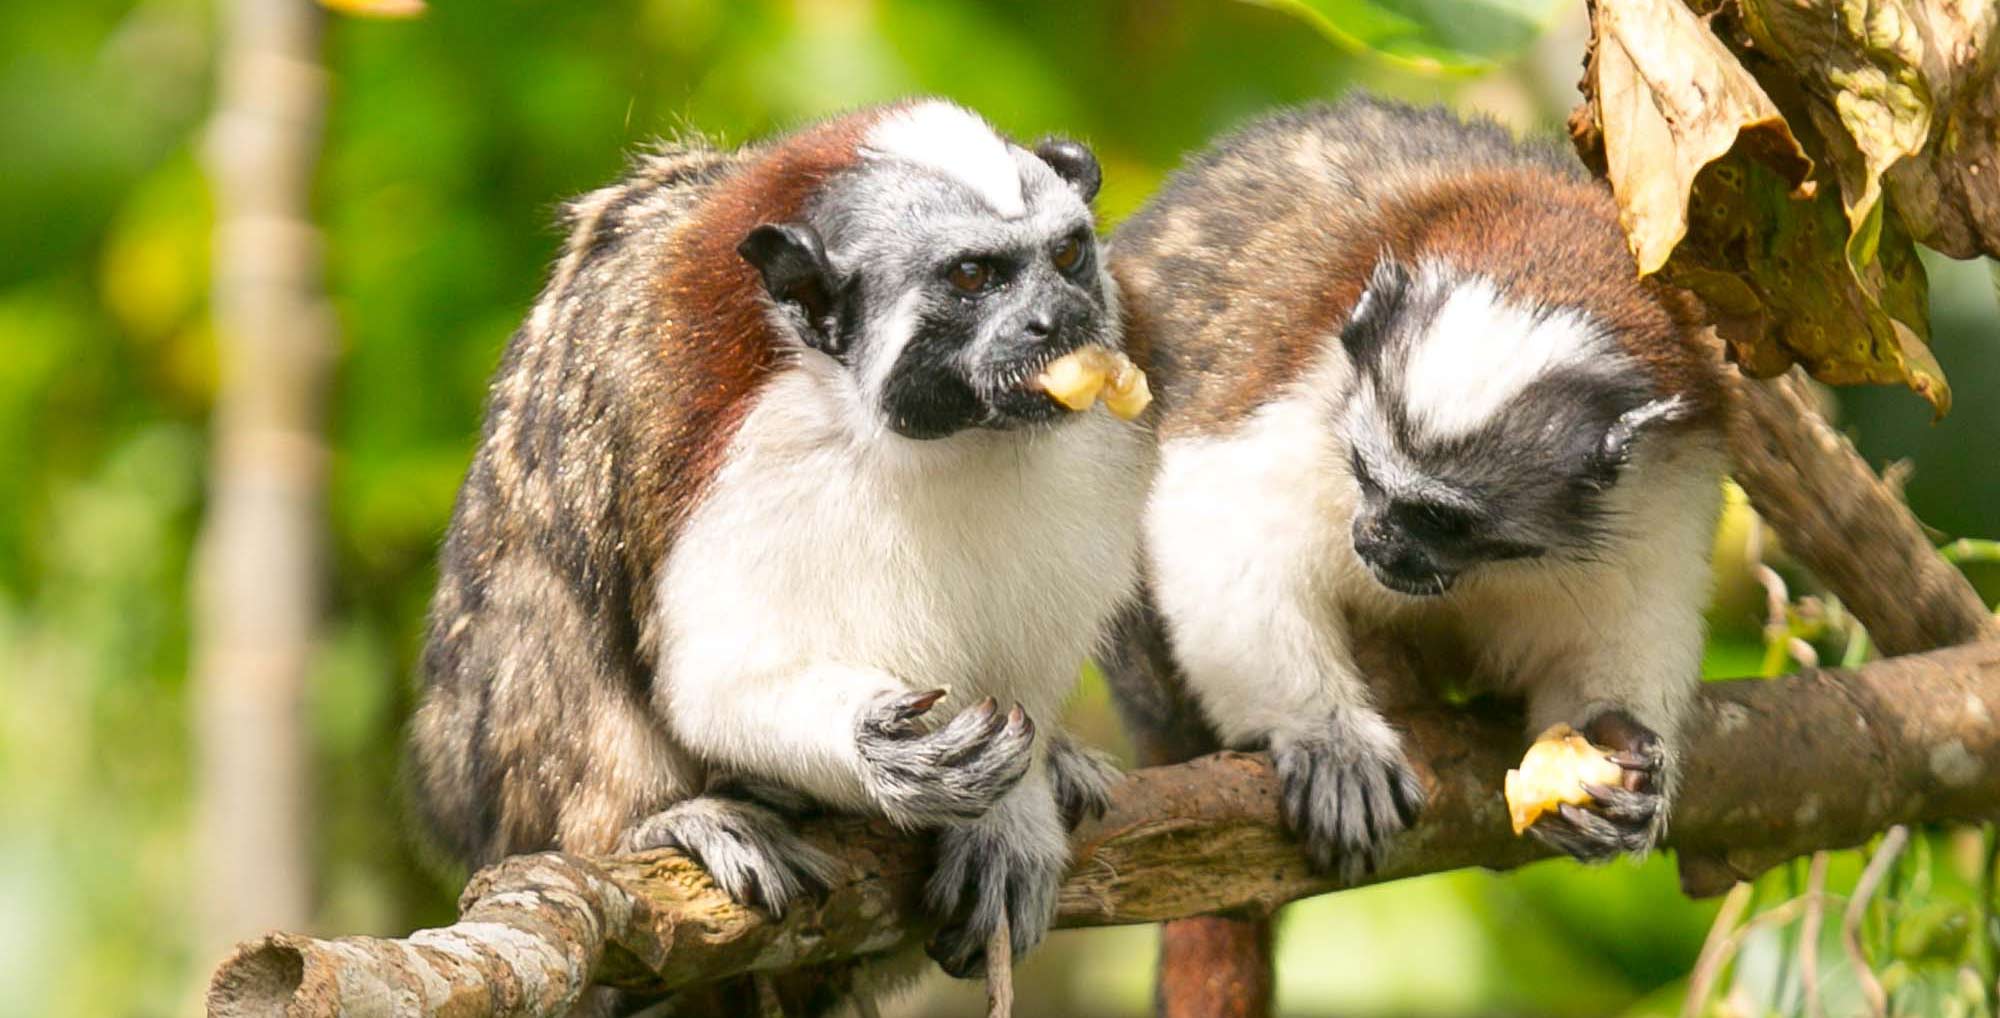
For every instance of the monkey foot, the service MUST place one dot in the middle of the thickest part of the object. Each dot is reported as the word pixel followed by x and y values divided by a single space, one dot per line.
pixel 1346 791
pixel 753 854
pixel 998 866
pixel 1083 778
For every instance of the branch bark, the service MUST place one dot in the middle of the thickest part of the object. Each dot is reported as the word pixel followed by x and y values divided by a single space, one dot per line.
pixel 1778 768
pixel 1843 523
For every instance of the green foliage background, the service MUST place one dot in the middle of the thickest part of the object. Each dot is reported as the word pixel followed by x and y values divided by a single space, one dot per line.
pixel 450 140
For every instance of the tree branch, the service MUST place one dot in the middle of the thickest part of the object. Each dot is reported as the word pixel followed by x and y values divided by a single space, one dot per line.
pixel 1843 523
pixel 1777 768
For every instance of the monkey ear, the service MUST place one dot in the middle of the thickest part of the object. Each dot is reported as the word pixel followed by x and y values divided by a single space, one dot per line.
pixel 1614 450
pixel 793 262
pixel 1074 163
pixel 1376 310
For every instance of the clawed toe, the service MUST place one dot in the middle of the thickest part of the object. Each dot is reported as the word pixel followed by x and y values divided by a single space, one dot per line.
pixel 1347 800
pixel 750 851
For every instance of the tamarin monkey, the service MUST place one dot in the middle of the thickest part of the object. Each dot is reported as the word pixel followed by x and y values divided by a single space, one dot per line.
pixel 1409 380
pixel 770 509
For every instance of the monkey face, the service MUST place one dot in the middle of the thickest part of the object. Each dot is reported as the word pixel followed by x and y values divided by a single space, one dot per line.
pixel 1480 431
pixel 944 282
pixel 985 322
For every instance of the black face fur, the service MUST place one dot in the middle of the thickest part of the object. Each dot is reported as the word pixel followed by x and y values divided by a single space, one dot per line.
pixel 943 310
pixel 1530 481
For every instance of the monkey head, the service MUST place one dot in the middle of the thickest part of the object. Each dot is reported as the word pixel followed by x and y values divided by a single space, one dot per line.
pixel 942 270
pixel 1487 427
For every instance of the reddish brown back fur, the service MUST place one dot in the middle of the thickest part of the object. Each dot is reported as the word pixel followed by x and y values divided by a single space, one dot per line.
pixel 614 408
pixel 1243 270
pixel 718 335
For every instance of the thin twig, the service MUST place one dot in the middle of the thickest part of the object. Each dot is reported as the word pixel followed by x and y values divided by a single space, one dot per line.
pixel 1809 932
pixel 1892 845
pixel 1989 854
pixel 1717 954
pixel 1000 971
pixel 1969 549
pixel 1709 965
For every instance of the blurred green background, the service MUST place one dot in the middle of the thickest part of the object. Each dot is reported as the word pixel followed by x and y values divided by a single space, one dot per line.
pixel 451 139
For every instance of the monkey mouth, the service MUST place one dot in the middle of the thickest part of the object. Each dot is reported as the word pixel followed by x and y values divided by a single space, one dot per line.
pixel 1009 390
pixel 1427 584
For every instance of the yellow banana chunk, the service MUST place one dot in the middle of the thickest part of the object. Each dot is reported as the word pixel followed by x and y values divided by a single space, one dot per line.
pixel 1128 395
pixel 1553 772
pixel 1076 379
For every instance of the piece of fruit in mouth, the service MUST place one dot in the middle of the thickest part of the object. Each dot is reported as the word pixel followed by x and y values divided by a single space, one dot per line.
pixel 1078 378
pixel 1554 771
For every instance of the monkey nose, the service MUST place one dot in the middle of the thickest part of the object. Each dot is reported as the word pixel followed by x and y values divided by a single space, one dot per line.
pixel 1039 326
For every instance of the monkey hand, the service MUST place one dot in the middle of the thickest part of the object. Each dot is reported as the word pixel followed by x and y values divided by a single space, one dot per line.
pixel 956 772
pixel 1009 862
pixel 1082 778
pixel 1346 789
pixel 1630 816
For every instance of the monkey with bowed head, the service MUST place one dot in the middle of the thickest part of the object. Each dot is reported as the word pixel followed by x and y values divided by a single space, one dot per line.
pixel 769 513
pixel 1409 381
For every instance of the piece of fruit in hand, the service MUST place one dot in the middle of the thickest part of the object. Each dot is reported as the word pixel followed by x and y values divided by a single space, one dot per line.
pixel 1554 771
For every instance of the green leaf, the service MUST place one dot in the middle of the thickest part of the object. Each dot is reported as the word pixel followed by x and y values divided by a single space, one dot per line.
pixel 1427 36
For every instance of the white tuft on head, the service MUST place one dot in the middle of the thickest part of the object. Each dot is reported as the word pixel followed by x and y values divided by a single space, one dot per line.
pixel 955 142
pixel 1481 351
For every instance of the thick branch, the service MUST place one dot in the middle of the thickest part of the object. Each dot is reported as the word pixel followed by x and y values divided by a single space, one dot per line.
pixel 1844 524
pixel 1778 768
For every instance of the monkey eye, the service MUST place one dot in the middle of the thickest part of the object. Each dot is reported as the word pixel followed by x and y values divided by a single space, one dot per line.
pixel 1362 476
pixel 970 275
pixel 1442 520
pixel 1067 253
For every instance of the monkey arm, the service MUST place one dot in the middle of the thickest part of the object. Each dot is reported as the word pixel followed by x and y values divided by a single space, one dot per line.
pixel 1276 669
pixel 1278 661
pixel 856 739
pixel 798 727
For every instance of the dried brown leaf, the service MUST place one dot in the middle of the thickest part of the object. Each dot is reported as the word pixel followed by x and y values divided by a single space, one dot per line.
pixel 1671 99
pixel 1904 92
pixel 1709 163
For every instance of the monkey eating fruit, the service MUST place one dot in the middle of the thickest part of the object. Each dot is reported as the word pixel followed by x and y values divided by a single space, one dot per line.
pixel 1413 389
pixel 1558 769
pixel 764 472
pixel 1076 379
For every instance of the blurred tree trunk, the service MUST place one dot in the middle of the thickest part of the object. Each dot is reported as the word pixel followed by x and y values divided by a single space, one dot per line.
pixel 258 563
pixel 1209 966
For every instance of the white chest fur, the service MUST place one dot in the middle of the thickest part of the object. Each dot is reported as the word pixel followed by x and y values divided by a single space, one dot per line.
pixel 984 563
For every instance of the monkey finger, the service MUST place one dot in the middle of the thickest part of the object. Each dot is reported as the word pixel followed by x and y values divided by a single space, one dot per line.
pixel 917 705
pixel 1624 806
pixel 1083 779
pixel 898 715
pixel 1410 796
pixel 968 733
pixel 1559 834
